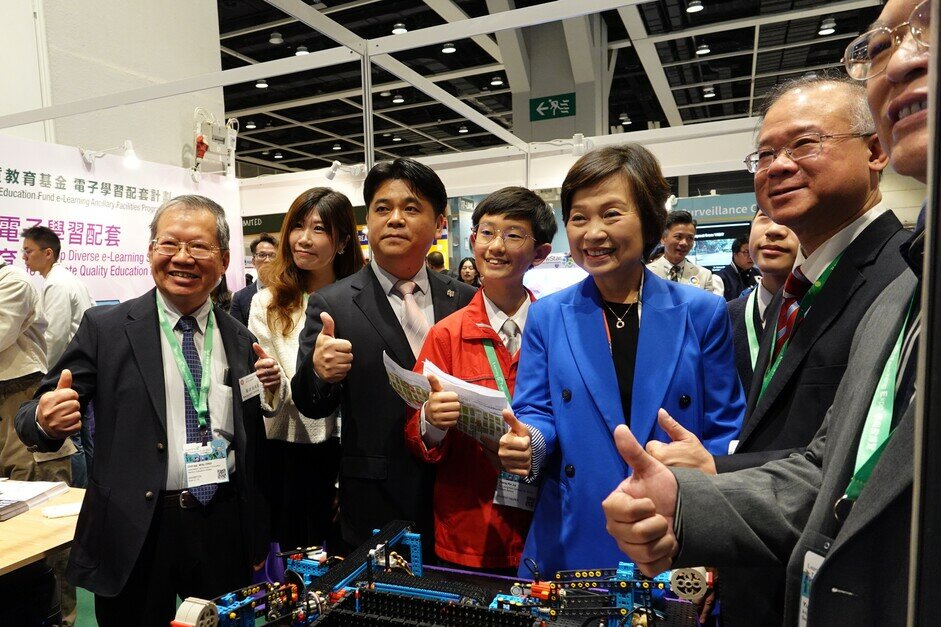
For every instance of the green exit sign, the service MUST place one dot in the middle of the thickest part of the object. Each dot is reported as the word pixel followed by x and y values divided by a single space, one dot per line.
pixel 551 107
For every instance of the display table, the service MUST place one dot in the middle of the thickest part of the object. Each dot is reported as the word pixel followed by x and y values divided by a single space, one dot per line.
pixel 30 537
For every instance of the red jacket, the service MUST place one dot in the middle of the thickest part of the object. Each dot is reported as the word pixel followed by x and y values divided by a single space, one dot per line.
pixel 469 529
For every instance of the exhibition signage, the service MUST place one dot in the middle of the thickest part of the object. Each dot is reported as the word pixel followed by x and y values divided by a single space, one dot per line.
pixel 551 107
pixel 720 208
pixel 101 212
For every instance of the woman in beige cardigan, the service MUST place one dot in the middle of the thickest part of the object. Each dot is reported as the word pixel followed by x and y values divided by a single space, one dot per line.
pixel 318 245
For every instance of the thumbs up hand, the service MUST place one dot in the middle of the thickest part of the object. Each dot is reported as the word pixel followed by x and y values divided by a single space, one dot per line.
pixel 640 510
pixel 332 358
pixel 58 412
pixel 685 450
pixel 516 450
pixel 267 369
pixel 442 409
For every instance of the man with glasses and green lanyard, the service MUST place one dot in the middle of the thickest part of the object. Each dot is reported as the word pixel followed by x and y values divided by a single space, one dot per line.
pixel 174 505
pixel 839 513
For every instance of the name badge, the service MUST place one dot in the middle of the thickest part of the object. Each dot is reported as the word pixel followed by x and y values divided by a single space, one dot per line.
pixel 812 563
pixel 513 492
pixel 205 463
pixel 250 386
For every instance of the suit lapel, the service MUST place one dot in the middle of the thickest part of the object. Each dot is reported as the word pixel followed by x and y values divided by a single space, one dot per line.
pixel 142 330
pixel 443 295
pixel 236 347
pixel 374 304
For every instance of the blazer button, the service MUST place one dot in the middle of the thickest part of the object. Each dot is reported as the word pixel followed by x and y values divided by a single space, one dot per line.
pixel 149 495
pixel 685 401
pixel 160 446
pixel 569 471
pixel 566 394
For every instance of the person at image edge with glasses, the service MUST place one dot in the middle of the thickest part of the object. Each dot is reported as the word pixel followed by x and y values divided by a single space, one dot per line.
pixel 264 248
pixel 838 513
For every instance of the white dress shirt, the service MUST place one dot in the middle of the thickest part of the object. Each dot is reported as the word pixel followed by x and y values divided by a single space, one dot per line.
pixel 690 274
pixel 222 422
pixel 813 265
pixel 64 301
pixel 764 299
pixel 22 326
pixel 422 292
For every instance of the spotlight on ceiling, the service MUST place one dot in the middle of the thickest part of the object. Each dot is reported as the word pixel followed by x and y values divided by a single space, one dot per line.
pixel 250 125
pixel 337 146
pixel 449 48
pixel 695 6
pixel 399 29
pixel 827 26
pixel 702 49
pixel 275 39
pixel 398 99
pixel 278 155
pixel 709 92
pixel 624 119
pixel 301 51
pixel 261 84
pixel 265 153
pixel 463 129
pixel 396 138
pixel 496 81
pixel 385 94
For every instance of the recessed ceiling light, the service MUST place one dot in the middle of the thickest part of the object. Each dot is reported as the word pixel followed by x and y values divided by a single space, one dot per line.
pixel 702 49
pixel 695 6
pixel 275 39
pixel 398 99
pixel 399 29
pixel 396 138
pixel 265 152
pixel 463 129
pixel 385 94
pixel 387 134
pixel 626 120
pixel 278 155
pixel 250 124
pixel 268 124
pixel 827 26
pixel 261 84
pixel 708 92
pixel 301 51
pixel 496 81
pixel 337 146
pixel 449 48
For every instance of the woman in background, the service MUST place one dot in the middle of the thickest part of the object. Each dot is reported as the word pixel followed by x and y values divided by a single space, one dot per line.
pixel 318 245
pixel 467 272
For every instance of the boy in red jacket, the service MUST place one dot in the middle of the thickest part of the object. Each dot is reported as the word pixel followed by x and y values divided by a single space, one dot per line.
pixel 478 526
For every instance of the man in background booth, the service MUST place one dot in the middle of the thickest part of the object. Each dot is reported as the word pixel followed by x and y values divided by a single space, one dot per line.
pixel 739 275
pixel 263 249
pixel 679 237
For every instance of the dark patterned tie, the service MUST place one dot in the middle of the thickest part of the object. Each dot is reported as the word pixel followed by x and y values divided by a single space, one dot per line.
pixel 675 273
pixel 187 325
pixel 795 287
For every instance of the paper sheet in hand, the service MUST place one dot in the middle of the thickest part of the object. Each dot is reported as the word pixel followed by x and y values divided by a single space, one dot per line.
pixel 411 386
pixel 481 408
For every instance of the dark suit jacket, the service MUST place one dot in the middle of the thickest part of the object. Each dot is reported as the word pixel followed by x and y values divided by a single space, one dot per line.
pixel 771 516
pixel 115 359
pixel 379 479
pixel 740 338
pixel 732 281
pixel 242 303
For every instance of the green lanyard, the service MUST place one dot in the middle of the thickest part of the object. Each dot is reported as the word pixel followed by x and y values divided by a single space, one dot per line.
pixel 199 398
pixel 806 303
pixel 750 326
pixel 496 369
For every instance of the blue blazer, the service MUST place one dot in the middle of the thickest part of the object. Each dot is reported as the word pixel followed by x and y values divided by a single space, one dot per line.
pixel 566 387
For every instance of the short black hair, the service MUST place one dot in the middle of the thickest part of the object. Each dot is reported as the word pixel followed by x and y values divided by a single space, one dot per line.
pixel 678 217
pixel 264 237
pixel 435 259
pixel 421 180
pixel 45 237
pixel 519 203
pixel 741 240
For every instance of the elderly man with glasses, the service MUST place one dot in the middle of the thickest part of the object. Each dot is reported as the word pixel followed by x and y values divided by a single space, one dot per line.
pixel 837 514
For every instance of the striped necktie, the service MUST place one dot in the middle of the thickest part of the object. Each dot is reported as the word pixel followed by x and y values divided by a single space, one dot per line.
pixel 413 320
pixel 795 287
pixel 512 332
pixel 187 324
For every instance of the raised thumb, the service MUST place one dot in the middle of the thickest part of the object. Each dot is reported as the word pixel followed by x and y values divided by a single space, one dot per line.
pixel 260 351
pixel 328 326
pixel 65 380
pixel 633 453
pixel 434 383
pixel 675 430
pixel 515 425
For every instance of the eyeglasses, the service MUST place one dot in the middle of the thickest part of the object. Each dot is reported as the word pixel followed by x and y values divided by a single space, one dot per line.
pixel 868 55
pixel 809 145
pixel 197 249
pixel 264 256
pixel 513 237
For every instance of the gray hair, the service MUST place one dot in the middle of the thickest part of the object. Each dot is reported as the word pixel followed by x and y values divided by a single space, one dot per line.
pixel 195 202
pixel 857 107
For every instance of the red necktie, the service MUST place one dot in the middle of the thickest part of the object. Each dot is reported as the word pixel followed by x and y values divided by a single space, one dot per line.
pixel 794 289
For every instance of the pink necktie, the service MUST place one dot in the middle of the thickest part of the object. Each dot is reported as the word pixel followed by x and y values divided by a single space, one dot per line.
pixel 414 322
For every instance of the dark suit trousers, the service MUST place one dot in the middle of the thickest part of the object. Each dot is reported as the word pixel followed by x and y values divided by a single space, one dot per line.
pixel 187 552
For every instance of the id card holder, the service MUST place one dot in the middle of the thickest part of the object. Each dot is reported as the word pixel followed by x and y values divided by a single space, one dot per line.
pixel 512 491
pixel 205 463
pixel 813 560
pixel 250 386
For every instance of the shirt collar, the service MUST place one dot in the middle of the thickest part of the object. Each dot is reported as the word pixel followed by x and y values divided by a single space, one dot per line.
pixel 173 314
pixel 764 299
pixel 388 281
pixel 498 317
pixel 813 265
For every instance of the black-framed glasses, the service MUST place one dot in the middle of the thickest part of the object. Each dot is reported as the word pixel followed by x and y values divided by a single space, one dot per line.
pixel 868 55
pixel 513 236
pixel 169 246
pixel 809 145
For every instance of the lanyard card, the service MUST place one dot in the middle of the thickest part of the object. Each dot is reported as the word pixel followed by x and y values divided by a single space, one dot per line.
pixel 513 492
pixel 812 563
pixel 205 463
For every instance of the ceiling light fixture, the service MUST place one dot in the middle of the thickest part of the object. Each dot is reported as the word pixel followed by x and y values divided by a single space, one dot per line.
pixel 695 6
pixel 385 94
pixel 463 129
pixel 827 27
pixel 275 39
pixel 250 125
pixel 261 84
pixel 702 49
pixel 265 153
pixel 496 81
pixel 399 29
pixel 301 51
pixel 278 155
pixel 449 48
pixel 396 138
pixel 624 119
pixel 337 146
pixel 398 99
pixel 709 92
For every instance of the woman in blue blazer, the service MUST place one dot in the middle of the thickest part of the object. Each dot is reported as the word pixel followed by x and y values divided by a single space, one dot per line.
pixel 612 350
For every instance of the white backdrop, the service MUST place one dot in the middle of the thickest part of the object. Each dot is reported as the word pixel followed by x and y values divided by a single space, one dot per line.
pixel 101 214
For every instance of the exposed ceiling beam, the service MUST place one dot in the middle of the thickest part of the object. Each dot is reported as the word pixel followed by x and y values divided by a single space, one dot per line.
pixel 712 102
pixel 410 128
pixel 318 21
pixel 735 79
pixel 650 60
pixel 450 12
pixel 513 49
pixel 282 22
pixel 580 45
pixel 268 164
pixel 741 53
